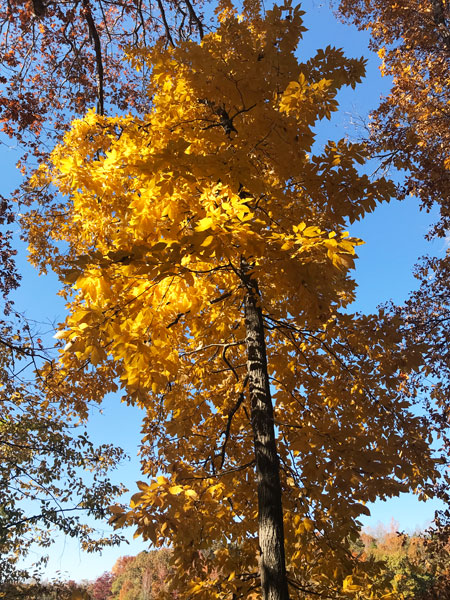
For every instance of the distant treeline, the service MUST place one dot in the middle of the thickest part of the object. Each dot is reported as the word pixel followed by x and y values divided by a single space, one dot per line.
pixel 416 566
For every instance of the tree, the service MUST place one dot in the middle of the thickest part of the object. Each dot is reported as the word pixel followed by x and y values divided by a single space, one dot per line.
pixel 410 128
pixel 208 266
pixel 142 577
pixel 51 478
pixel 101 587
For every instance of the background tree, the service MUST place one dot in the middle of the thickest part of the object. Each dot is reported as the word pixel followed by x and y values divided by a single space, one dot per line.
pixel 206 252
pixel 142 577
pixel 59 59
pixel 45 590
pixel 100 589
pixel 51 477
pixel 411 131
pixel 414 563
pixel 9 278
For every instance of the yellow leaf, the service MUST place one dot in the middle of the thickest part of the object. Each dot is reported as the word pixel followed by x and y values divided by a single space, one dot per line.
pixel 191 494
pixel 308 524
pixel 207 241
pixel 204 224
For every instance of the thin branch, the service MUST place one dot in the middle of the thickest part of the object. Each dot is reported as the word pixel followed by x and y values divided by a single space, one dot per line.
pixel 41 516
pixel 227 362
pixel 299 587
pixel 230 418
pixel 222 474
pixel 193 15
pixel 220 298
pixel 201 348
pixel 166 24
pixel 177 318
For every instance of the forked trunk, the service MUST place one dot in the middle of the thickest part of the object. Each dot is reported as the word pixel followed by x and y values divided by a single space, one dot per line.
pixel 270 512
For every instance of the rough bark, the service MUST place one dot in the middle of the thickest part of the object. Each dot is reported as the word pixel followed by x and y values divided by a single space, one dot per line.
pixel 270 511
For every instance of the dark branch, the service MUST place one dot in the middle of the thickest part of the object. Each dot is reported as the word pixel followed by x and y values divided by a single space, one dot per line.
pixel 194 17
pixel 166 24
pixel 98 56
pixel 227 362
pixel 220 298
pixel 230 419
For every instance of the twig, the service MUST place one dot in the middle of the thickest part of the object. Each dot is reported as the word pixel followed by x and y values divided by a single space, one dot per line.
pixel 166 24
pixel 230 418
pixel 226 346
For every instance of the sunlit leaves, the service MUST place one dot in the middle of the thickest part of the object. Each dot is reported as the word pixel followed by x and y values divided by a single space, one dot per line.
pixel 161 212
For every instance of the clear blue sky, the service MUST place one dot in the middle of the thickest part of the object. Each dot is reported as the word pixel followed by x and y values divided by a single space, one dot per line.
pixel 394 237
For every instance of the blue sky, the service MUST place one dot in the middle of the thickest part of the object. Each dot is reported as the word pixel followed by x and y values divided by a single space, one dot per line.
pixel 394 237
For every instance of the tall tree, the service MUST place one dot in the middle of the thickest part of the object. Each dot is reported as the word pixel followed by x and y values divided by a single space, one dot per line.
pixel 410 131
pixel 206 257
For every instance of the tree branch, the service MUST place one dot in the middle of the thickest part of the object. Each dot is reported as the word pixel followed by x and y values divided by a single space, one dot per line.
pixel 98 55
pixel 194 17
pixel 230 418
pixel 166 24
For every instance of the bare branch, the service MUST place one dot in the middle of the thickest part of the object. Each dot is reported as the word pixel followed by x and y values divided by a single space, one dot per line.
pixel 166 24
pixel 194 17
pixel 98 55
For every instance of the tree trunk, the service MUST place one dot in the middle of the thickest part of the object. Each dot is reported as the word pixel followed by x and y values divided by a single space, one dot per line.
pixel 270 512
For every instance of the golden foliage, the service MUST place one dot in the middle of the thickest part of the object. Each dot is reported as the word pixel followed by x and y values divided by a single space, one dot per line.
pixel 160 212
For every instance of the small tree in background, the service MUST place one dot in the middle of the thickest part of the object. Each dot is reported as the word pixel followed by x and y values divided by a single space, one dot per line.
pixel 143 577
pixel 100 589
